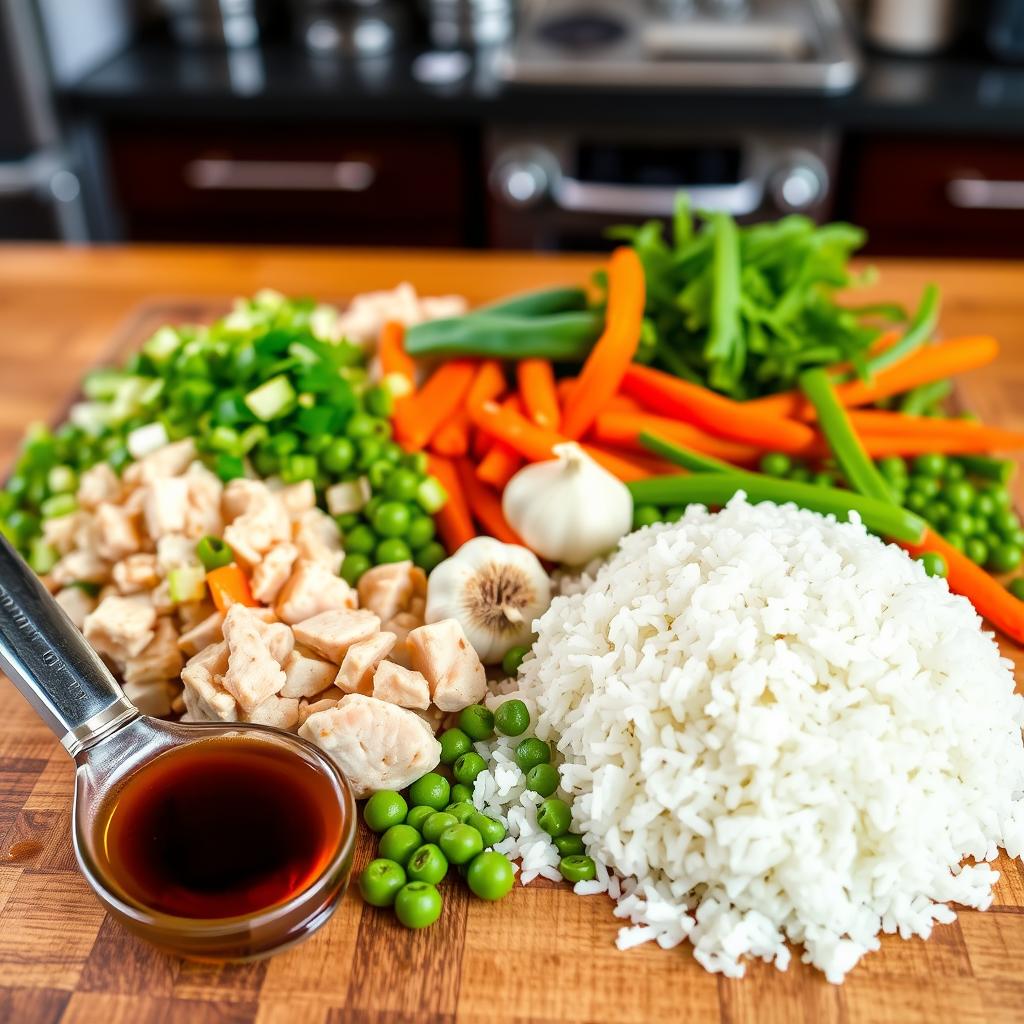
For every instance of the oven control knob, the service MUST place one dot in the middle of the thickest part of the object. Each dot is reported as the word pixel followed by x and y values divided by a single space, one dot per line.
pixel 523 177
pixel 799 184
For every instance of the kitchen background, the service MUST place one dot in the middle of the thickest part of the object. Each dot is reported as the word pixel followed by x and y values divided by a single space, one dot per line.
pixel 505 124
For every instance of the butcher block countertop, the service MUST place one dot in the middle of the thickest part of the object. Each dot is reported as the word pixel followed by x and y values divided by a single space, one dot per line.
pixel 541 955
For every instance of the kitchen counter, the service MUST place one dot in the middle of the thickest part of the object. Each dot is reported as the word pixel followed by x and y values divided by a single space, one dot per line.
pixel 543 954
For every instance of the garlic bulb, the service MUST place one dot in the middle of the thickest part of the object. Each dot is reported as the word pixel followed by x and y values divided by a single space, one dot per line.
pixel 569 510
pixel 494 590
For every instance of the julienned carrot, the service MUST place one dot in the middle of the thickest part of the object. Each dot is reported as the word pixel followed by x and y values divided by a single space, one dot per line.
pixel 879 445
pixel 536 378
pixel 391 350
pixel 602 371
pixel 877 422
pixel 454 522
pixel 624 429
pixel 488 383
pixel 499 465
pixel 991 599
pixel 626 466
pixel 419 417
pixel 617 403
pixel 714 413
pixel 505 424
pixel 229 585
pixel 944 359
pixel 452 439
pixel 485 505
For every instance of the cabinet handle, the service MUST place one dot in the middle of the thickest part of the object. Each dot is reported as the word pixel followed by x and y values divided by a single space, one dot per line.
pixel 982 194
pixel 226 175
pixel 739 199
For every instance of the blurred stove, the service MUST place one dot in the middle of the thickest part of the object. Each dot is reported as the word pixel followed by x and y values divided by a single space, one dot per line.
pixel 729 44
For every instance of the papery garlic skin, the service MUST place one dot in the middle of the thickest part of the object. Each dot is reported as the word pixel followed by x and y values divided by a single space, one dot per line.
pixel 494 590
pixel 570 509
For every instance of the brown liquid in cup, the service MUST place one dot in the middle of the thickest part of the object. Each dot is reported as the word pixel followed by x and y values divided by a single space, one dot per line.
pixel 222 828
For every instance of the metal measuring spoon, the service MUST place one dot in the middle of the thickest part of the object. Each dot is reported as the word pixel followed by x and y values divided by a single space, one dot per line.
pixel 66 682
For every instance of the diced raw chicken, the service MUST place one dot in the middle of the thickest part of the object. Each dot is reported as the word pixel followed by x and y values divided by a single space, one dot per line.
pixel 164 506
pixel 280 712
pixel 152 698
pixel 253 673
pixel 435 718
pixel 311 589
pixel 160 659
pixel 388 589
pixel 318 539
pixel 170 461
pixel 402 625
pixel 442 653
pixel 306 675
pixel 361 661
pixel 205 699
pixel 175 552
pixel 135 573
pixel 76 603
pixel 401 686
pixel 209 631
pixel 327 699
pixel 121 627
pixel 273 571
pixel 81 566
pixel 332 633
pixel 376 744
pixel 60 532
pixel 202 504
pixel 116 533
pixel 262 523
pixel 160 596
pixel 242 496
pixel 297 498
pixel 213 659
pixel 191 613
pixel 276 635
pixel 97 485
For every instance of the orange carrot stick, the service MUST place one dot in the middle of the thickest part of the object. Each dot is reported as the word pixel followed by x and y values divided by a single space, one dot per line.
pixel 229 585
pixel 453 438
pixel 454 522
pixel 536 379
pixel 393 357
pixel 499 465
pixel 626 466
pixel 487 385
pixel 618 428
pixel 420 416
pixel 879 445
pixel 504 424
pixel 602 371
pixel 714 413
pixel 877 422
pixel 991 599
pixel 485 505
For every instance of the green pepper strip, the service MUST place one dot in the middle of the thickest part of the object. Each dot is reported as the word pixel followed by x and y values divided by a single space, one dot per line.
pixel 842 438
pixel 989 468
pixel 919 331
pixel 537 303
pixel 214 553
pixel 561 336
pixel 880 517
pixel 725 290
pixel 680 456
pixel 918 401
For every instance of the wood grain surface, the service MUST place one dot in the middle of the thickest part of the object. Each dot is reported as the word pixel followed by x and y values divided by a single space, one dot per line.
pixel 541 955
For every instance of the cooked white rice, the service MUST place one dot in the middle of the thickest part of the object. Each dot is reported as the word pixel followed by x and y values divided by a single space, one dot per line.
pixel 775 727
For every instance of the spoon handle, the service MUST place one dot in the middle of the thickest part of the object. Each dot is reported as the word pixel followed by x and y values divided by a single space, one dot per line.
pixel 51 664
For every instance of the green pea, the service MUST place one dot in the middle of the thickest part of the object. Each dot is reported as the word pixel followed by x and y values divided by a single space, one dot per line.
pixel 402 484
pixel 939 512
pixel 378 402
pixel 428 864
pixel 645 515
pixel 436 824
pixel 1005 557
pixel 800 475
pixel 960 494
pixel 378 472
pixel 993 540
pixel 775 464
pixel 417 816
pixel 554 816
pixel 461 793
pixel 421 531
pixel 491 831
pixel 960 522
pixel 976 550
pixel 360 540
pixel 454 743
pixel 916 501
pixel 531 752
pixel 1016 587
pixel 543 779
pixel 360 425
pixel 673 513
pixel 430 790
pixel 984 506
pixel 955 470
pixel 1005 522
pixel 490 876
pixel 930 465
pixel 956 540
pixel 511 662
pixel 353 567
pixel 392 550
pixel 430 556
pixel 934 564
pixel 418 904
pixel 381 881
pixel 384 809
pixel 338 455
pixel 461 843
pixel 578 868
pixel 926 485
pixel 461 811
pixel 569 844
pixel 347 521
pixel 512 717
pixel 1000 495
pixel 477 722
pixel 468 767
pixel 399 843
pixel 823 480
pixel 391 519
pixel 893 468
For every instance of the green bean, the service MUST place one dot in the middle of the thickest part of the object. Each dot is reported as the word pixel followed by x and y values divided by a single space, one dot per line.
pixel 537 303
pixel 725 295
pixel 680 456
pixel 918 401
pixel 988 467
pixel 918 332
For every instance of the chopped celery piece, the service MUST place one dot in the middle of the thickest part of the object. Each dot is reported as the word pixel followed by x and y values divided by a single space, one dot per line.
pixel 271 400
pixel 162 345
pixel 431 495
pixel 187 583
pixel 62 480
pixel 42 556
pixel 143 440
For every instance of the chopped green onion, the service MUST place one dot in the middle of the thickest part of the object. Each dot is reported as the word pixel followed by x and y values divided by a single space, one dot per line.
pixel 58 505
pixel 62 480
pixel 431 495
pixel 271 400
pixel 228 467
pixel 214 553
pixel 42 557
pixel 144 440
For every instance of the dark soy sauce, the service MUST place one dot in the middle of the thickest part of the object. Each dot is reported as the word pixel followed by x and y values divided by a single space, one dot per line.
pixel 221 828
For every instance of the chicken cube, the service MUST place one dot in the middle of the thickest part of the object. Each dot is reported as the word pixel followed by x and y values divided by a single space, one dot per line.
pixel 160 659
pixel 164 506
pixel 386 590
pixel 276 635
pixel 361 661
pixel 205 698
pixel 318 539
pixel 77 604
pixel 401 686
pixel 169 461
pixel 152 698
pixel 330 634
pixel 327 699
pixel 311 589
pixel 209 631
pixel 175 552
pixel 257 520
pixel 202 502
pixel 136 573
pixel 297 498
pixel 191 613
pixel 376 744
pixel 253 674
pixel 116 533
pixel 61 532
pixel 273 571
pixel 82 566
pixel 452 668
pixel 121 627
pixel 306 675
pixel 98 484
pixel 280 712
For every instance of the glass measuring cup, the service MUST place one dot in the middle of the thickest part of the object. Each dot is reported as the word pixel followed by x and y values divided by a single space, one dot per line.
pixel 68 685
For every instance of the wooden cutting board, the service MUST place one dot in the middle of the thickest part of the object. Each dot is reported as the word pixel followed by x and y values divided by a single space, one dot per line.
pixel 541 955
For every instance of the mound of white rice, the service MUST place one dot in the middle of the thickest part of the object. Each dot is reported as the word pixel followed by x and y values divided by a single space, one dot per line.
pixel 774 726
